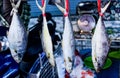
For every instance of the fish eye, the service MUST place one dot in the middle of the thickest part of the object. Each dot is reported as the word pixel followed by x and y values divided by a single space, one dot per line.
pixel 69 66
pixel 98 64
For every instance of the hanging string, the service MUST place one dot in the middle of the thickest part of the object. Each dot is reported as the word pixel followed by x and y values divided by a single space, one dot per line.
pixel 99 7
pixel 43 6
pixel 67 5
pixel 42 3
pixel 66 8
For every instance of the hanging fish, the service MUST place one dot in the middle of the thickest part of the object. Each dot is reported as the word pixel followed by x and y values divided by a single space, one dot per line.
pixel 100 42
pixel 68 44
pixel 45 36
pixel 17 36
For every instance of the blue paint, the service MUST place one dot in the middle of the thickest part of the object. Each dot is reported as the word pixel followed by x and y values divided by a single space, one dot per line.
pixel 52 8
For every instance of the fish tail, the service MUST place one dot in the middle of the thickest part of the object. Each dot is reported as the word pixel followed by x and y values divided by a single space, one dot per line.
pixel 105 8
pixel 15 7
pixel 51 60
pixel 67 5
pixel 60 8
pixel 15 55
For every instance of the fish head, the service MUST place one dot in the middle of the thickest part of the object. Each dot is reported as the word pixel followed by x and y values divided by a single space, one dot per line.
pixel 98 64
pixel 15 6
pixel 68 65
pixel 52 62
pixel 16 56
pixel 98 68
pixel 51 59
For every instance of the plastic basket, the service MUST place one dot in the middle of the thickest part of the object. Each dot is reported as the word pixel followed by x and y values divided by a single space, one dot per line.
pixel 42 68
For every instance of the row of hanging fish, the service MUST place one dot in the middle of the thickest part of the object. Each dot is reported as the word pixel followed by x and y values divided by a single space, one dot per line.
pixel 100 42
pixel 17 38
pixel 68 45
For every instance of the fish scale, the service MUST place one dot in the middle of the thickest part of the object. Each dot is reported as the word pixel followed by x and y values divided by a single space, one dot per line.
pixel 45 35
pixel 17 36
pixel 46 41
pixel 100 43
pixel 68 42
pixel 68 45
pixel 98 49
